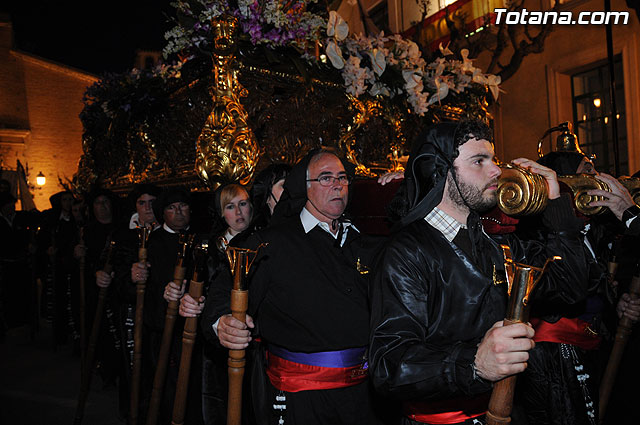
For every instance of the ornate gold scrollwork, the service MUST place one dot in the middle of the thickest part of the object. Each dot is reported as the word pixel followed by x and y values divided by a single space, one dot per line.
pixel 226 149
pixel 364 110
pixel 580 184
pixel 521 192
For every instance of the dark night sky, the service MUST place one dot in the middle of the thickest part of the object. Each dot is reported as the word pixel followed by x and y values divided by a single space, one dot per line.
pixel 92 36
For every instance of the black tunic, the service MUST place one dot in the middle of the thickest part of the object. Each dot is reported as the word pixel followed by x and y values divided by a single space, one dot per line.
pixel 431 306
pixel 307 294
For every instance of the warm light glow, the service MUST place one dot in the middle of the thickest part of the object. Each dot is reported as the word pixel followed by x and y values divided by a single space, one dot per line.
pixel 596 102
pixel 584 117
pixel 617 116
pixel 606 120
pixel 40 179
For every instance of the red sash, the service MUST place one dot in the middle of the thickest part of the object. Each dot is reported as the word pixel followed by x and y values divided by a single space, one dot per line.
pixel 450 411
pixel 566 331
pixel 290 376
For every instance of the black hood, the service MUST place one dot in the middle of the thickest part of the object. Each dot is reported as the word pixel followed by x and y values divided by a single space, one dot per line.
pixel 168 197
pixel 426 172
pixel 294 196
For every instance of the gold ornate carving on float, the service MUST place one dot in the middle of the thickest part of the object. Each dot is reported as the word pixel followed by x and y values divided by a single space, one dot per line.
pixel 226 149
pixel 392 156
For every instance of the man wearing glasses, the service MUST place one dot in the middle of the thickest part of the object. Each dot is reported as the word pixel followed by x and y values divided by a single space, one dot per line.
pixel 309 300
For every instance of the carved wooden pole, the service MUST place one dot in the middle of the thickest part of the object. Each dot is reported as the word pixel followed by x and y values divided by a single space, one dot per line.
pixel 93 341
pixel 167 334
pixel 521 283
pixel 240 262
pixel 143 235
pixel 189 338
pixel 625 327
pixel 82 304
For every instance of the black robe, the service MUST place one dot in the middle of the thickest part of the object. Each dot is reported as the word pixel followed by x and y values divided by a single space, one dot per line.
pixel 431 305
pixel 306 294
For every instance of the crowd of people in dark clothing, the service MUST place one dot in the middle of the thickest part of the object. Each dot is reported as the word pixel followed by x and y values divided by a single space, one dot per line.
pixel 341 327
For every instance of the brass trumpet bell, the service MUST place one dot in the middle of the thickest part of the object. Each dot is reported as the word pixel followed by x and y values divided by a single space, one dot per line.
pixel 521 192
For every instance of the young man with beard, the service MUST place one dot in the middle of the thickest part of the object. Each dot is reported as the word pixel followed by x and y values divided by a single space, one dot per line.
pixel 439 297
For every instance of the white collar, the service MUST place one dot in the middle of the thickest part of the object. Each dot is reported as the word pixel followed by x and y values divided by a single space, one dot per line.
pixel 134 222
pixel 228 236
pixel 309 221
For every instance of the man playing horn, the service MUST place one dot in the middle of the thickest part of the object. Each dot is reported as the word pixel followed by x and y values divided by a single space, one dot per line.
pixel 561 383
pixel 439 296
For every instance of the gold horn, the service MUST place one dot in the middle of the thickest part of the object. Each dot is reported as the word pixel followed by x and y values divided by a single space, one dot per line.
pixel 521 192
pixel 580 184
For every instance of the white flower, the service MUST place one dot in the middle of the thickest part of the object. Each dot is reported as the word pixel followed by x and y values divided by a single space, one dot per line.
pixel 445 50
pixel 412 78
pixel 442 90
pixel 467 65
pixel 493 81
pixel 337 27
pixel 379 89
pixel 335 55
pixel 438 66
pixel 378 61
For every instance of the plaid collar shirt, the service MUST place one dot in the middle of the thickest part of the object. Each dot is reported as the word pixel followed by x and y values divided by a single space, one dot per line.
pixel 444 223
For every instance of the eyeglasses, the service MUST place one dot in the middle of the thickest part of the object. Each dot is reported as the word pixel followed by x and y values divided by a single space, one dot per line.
pixel 330 180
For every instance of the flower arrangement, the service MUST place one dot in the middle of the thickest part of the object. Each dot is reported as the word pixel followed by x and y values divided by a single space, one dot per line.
pixel 372 64
pixel 377 65
pixel 274 23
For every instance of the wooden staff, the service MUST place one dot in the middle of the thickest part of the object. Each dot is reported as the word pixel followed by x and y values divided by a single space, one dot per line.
pixel 54 295
pixel 240 265
pixel 167 333
pixel 81 306
pixel 625 327
pixel 93 340
pixel 143 236
pixel 189 337
pixel 521 282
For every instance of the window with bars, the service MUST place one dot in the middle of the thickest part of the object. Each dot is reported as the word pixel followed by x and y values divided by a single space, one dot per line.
pixel 593 117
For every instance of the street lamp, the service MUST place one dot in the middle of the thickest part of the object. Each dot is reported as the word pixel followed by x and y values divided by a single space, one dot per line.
pixel 41 179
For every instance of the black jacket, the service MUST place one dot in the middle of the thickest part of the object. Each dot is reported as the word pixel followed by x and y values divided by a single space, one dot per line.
pixel 431 305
